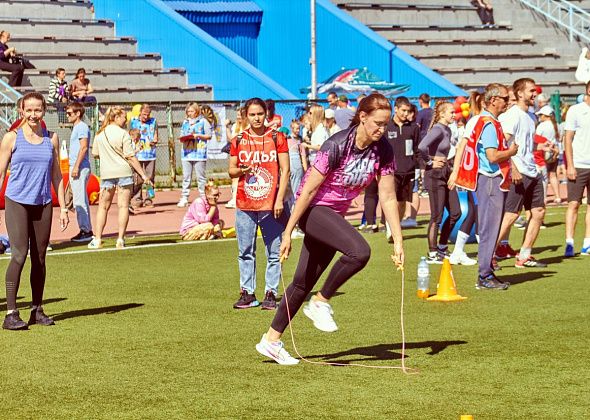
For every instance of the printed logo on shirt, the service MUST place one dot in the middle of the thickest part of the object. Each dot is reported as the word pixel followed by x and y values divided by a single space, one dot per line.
pixel 258 184
pixel 392 134
pixel 257 156
pixel 357 171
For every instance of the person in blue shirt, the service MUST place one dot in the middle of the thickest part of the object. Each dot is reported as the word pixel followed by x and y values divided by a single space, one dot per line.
pixel 194 150
pixel 80 169
pixel 148 129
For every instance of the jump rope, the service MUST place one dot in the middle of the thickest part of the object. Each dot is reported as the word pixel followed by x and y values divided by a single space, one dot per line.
pixel 403 367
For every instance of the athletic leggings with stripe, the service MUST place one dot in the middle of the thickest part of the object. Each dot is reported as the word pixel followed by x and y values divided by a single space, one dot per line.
pixel 27 224
pixel 326 232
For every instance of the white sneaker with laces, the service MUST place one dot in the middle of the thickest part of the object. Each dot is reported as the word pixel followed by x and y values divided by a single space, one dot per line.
pixel 183 202
pixel 461 259
pixel 95 243
pixel 321 315
pixel 276 351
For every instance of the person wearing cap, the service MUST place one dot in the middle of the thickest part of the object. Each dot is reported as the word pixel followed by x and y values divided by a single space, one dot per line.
pixel 547 134
pixel 343 114
pixel 331 125
pixel 577 153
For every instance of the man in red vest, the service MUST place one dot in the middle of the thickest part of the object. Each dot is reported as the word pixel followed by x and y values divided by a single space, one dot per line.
pixel 485 168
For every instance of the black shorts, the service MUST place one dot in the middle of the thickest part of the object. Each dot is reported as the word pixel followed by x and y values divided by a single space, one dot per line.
pixel 552 167
pixel 404 183
pixel 529 193
pixel 575 189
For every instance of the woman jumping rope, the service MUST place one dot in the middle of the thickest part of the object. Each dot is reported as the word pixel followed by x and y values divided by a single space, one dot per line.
pixel 346 163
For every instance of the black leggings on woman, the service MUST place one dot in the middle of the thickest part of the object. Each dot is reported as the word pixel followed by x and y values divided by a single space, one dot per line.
pixel 325 233
pixel 27 224
pixel 440 198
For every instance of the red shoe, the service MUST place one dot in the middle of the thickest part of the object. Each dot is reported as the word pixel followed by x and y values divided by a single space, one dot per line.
pixel 505 251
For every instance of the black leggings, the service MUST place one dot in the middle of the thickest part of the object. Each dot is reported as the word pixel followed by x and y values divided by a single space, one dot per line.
pixel 371 201
pixel 325 233
pixel 27 224
pixel 471 217
pixel 440 198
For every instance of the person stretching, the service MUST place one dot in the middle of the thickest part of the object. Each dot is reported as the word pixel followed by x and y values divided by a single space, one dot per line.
pixel 347 162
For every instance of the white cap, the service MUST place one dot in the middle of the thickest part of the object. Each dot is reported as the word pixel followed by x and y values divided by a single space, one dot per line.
pixel 329 113
pixel 545 110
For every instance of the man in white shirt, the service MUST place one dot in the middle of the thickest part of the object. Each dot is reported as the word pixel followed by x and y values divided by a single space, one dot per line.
pixel 527 184
pixel 577 150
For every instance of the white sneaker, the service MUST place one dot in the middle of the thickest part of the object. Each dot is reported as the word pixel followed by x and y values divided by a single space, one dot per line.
pixel 276 351
pixel 120 243
pixel 409 223
pixel 95 243
pixel 297 234
pixel 461 259
pixel 231 204
pixel 321 315
pixel 183 202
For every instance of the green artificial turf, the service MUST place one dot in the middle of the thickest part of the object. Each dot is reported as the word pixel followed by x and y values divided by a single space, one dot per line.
pixel 151 333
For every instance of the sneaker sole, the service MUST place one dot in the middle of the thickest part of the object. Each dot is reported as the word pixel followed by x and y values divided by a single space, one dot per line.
pixel 528 266
pixel 268 308
pixel 308 314
pixel 260 349
pixel 251 305
pixel 81 240
pixel 491 288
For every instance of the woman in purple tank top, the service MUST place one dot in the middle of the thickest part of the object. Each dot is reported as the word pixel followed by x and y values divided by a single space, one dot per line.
pixel 32 153
pixel 345 164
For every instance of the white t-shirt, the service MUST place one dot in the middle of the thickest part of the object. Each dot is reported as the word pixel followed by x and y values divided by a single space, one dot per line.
pixel 578 120
pixel 521 126
pixel 318 137
pixel 546 129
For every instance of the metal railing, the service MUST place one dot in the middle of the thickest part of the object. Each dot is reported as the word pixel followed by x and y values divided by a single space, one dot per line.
pixel 8 96
pixel 572 18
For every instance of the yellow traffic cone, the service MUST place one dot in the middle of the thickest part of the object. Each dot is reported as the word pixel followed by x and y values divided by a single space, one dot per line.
pixel 446 291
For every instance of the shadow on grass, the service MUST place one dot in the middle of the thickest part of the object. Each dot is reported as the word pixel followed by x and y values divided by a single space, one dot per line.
pixel 96 311
pixel 385 351
pixel 154 242
pixel 528 276
pixel 27 303
pixel 550 248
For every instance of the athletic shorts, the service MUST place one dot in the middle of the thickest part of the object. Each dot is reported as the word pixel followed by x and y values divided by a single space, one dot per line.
pixel 107 184
pixel 403 187
pixel 575 189
pixel 529 193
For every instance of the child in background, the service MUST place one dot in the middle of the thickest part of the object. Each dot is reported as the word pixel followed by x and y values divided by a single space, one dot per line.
pixel 201 221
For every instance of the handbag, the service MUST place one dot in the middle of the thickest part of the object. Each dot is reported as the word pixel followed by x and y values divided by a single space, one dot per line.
pixel 19 59
pixel 137 179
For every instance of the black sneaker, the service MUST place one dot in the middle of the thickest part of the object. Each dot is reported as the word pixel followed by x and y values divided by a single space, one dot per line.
pixel 83 237
pixel 12 321
pixel 246 301
pixel 38 317
pixel 270 301
pixel 491 282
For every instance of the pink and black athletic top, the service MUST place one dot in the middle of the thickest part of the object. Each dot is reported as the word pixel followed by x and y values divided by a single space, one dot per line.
pixel 348 170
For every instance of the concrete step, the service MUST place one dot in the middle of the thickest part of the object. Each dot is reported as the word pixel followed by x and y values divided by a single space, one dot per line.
pixel 57 27
pixel 55 9
pixel 497 58
pixel 485 75
pixel 71 62
pixel 146 94
pixel 396 13
pixel 115 79
pixel 62 45
pixel 467 46
pixel 413 32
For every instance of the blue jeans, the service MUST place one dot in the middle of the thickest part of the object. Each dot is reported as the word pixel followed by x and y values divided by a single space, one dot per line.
pixel 247 223
pixel 80 195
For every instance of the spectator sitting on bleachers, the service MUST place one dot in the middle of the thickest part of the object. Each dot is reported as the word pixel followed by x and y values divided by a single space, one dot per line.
pixel 58 88
pixel 7 55
pixel 80 88
pixel 201 221
pixel 485 12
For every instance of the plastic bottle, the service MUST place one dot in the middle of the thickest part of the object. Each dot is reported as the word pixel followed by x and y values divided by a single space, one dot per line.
pixel 423 279
pixel 64 161
pixel 150 192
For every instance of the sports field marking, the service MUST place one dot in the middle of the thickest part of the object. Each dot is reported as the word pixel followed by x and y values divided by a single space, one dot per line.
pixel 131 247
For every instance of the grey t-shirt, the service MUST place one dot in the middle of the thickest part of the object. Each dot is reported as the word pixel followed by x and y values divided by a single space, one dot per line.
pixel 437 142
